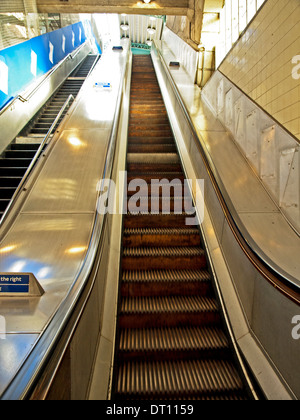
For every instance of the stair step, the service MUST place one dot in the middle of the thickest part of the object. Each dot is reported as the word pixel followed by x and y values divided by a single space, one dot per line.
pixel 146 237
pixel 46 120
pixel 6 193
pixel 141 120
pixel 151 148
pixel 3 204
pixel 168 276
pixel 172 343
pixel 178 258
pixel 156 188
pixel 166 282
pixel 10 181
pixel 168 311
pixel 143 166
pixel 25 146
pixel 155 220
pixel 24 154
pixel 12 171
pixel 160 205
pixel 150 140
pixel 11 163
pixel 149 176
pixel 179 379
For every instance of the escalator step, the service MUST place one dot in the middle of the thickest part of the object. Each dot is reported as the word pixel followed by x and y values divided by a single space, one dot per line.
pixel 155 158
pixel 6 193
pixel 172 342
pixel 168 311
pixel 12 172
pixel 178 379
pixel 145 237
pixel 3 204
pixel 11 163
pixel 10 181
pixel 24 154
pixel 150 176
pixel 163 252
pixel 144 166
pixel 151 148
pixel 169 276
pixel 151 140
pixel 163 258
pixel 155 221
pixel 25 146
pixel 166 282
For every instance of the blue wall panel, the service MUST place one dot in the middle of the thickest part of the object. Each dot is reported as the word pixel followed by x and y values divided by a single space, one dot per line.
pixel 21 64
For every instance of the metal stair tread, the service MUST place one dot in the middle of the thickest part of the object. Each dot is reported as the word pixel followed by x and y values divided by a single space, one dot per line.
pixel 168 305
pixel 163 252
pixel 138 276
pixel 161 231
pixel 178 378
pixel 172 339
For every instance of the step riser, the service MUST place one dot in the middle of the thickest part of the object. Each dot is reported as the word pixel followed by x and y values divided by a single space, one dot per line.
pixel 6 193
pixel 154 148
pixel 155 221
pixel 150 241
pixel 171 177
pixel 152 167
pixel 153 190
pixel 10 182
pixel 163 263
pixel 156 288
pixel 173 355
pixel 170 320
pixel 150 141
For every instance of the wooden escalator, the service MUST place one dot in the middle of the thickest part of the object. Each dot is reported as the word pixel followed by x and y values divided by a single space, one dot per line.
pixel 172 343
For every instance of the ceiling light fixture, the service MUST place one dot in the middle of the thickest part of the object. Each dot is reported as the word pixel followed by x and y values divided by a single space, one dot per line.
pixel 147 1
pixel 151 31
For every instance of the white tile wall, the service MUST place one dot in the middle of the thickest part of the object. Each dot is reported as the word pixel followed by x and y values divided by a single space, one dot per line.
pixel 261 64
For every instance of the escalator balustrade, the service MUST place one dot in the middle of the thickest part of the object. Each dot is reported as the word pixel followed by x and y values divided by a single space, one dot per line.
pixel 17 157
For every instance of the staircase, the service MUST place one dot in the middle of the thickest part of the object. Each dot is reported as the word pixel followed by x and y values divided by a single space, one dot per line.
pixel 171 340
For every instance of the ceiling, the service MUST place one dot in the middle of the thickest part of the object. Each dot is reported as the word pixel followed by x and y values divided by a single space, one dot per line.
pixel 157 7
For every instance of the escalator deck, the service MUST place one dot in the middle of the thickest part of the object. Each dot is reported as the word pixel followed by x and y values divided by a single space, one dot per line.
pixel 171 340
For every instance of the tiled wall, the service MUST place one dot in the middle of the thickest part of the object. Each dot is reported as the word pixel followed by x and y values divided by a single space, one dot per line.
pixel 263 63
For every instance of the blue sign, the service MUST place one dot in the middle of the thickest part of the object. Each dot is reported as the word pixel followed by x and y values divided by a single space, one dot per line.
pixel 17 283
pixel 23 63
pixel 103 85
